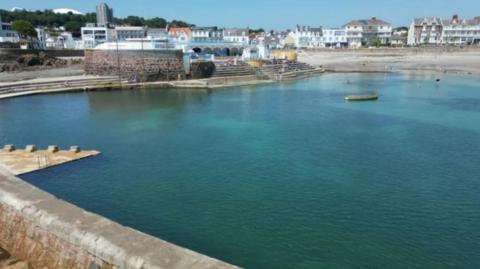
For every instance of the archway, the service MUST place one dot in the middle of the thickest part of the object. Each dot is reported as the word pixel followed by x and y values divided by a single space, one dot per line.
pixel 197 50
pixel 234 52
pixel 208 50
pixel 218 52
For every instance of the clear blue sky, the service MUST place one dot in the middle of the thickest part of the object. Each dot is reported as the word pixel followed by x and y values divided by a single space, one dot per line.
pixel 270 14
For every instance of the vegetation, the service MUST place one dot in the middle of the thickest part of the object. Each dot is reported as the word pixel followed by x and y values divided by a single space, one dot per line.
pixel 152 23
pixel 24 28
pixel 256 31
pixel 402 28
pixel 376 43
pixel 73 22
pixel 46 18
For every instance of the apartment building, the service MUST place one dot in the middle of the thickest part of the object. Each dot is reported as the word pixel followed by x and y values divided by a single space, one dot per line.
pixel 368 32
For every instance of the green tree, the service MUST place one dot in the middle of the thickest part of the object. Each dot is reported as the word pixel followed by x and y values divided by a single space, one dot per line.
pixel 134 21
pixel 24 29
pixel 74 27
pixel 375 43
pixel 176 23
pixel 47 18
pixel 156 22
pixel 256 31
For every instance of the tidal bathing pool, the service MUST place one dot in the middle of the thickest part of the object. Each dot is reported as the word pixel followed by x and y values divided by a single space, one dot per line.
pixel 277 176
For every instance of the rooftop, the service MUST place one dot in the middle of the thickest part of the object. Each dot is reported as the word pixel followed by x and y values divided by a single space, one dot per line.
pixel 369 22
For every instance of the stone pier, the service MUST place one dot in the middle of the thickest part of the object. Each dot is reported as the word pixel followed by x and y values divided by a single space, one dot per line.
pixel 22 161
pixel 46 232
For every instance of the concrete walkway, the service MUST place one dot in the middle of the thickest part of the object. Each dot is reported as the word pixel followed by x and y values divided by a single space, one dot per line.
pixel 20 162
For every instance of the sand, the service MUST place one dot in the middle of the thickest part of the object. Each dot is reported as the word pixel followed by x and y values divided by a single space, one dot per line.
pixel 401 60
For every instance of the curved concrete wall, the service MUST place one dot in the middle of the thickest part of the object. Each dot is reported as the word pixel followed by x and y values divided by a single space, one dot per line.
pixel 50 233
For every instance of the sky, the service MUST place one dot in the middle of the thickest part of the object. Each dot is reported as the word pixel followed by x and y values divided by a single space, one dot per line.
pixel 268 14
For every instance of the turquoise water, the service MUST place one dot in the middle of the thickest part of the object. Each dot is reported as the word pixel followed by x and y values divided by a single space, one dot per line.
pixel 277 176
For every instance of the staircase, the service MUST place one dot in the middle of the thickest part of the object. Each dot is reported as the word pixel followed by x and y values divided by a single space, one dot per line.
pixel 288 69
pixel 225 69
pixel 19 87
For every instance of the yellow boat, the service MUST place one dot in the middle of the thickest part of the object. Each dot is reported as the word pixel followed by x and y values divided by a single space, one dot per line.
pixel 361 98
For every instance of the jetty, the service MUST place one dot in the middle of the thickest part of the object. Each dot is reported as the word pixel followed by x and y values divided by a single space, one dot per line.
pixel 30 159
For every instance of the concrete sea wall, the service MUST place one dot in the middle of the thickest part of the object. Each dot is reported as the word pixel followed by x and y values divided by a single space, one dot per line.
pixel 50 233
pixel 153 65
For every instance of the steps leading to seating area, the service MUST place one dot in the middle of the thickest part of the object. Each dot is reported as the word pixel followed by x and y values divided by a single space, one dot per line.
pixel 288 69
pixel 18 87
pixel 226 69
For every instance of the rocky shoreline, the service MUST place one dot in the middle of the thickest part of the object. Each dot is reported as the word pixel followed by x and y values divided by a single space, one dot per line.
pixel 42 61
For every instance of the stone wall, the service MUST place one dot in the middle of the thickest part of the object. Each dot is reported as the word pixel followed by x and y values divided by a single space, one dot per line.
pixel 50 233
pixel 153 65
pixel 199 70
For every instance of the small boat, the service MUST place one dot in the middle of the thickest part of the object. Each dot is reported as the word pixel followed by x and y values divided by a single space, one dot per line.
pixel 361 97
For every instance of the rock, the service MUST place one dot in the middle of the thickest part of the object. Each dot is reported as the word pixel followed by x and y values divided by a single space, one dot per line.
pixel 9 148
pixel 3 255
pixel 75 149
pixel 29 60
pixel 30 148
pixel 9 67
pixel 52 148
pixel 42 55
pixel 75 61
pixel 14 67
pixel 17 265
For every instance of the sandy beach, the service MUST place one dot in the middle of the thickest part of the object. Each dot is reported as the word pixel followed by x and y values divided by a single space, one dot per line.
pixel 452 61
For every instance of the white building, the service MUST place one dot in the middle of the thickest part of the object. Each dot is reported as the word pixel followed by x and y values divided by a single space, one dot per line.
pixel 41 38
pixel 368 32
pixel 104 15
pixel 137 44
pixel 93 36
pixel 255 52
pixel 461 31
pixel 180 35
pixel 7 34
pixel 399 37
pixel 434 31
pixel 129 32
pixel 425 31
pixel 269 40
pixel 308 37
pixel 237 35
pixel 157 33
pixel 207 34
pixel 334 38
pixel 61 40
